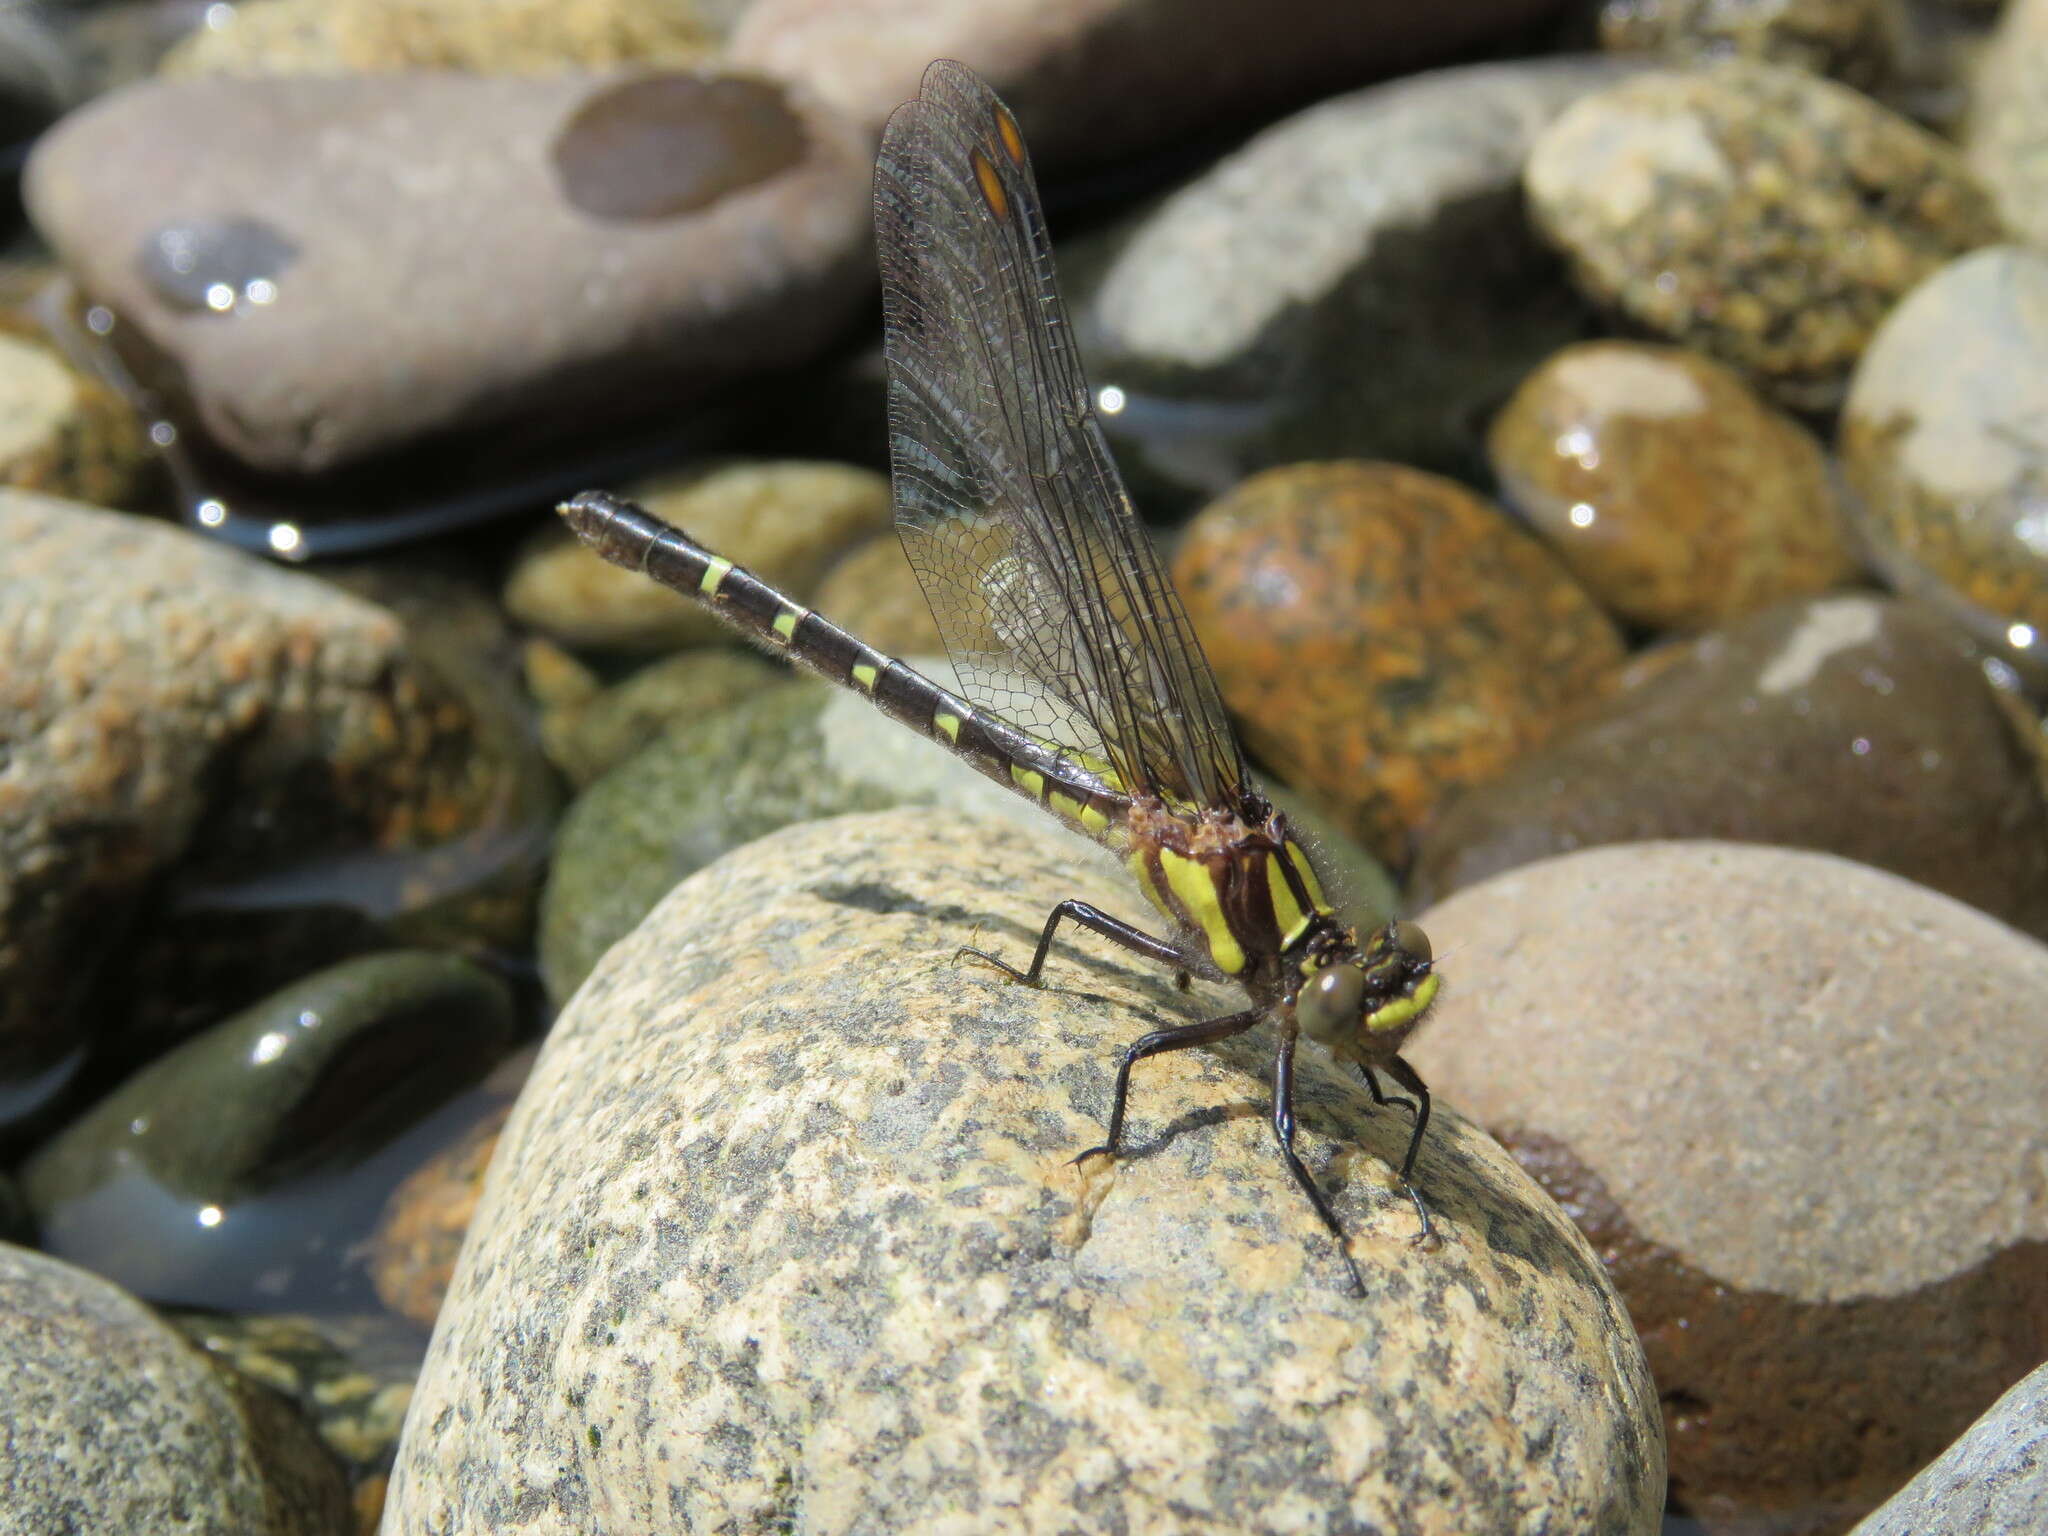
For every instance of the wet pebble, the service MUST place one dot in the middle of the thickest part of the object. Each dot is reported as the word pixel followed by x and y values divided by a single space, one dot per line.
pixel 236 1169
pixel 786 521
pixel 64 434
pixel 588 736
pixel 114 1422
pixel 1753 212
pixel 350 1377
pixel 1945 440
pixel 788 1186
pixel 1674 494
pixel 1991 1482
pixel 487 37
pixel 412 1252
pixel 1854 724
pixel 226 774
pixel 603 284
pixel 1359 280
pixel 1796 1104
pixel 1384 638
pixel 1859 42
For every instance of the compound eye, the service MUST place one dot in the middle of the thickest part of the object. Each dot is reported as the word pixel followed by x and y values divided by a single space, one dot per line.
pixel 1327 1007
pixel 1409 936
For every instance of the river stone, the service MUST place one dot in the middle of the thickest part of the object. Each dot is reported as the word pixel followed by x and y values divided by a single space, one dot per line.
pixel 62 433
pixel 202 746
pixel 1945 440
pixel 1853 724
pixel 1095 80
pixel 1796 1104
pixel 1667 487
pixel 785 1233
pixel 256 1197
pixel 1386 638
pixel 1754 212
pixel 488 37
pixel 113 1422
pixel 588 736
pixel 784 520
pixel 2005 135
pixel 874 592
pixel 307 251
pixel 1859 42
pixel 1359 280
pixel 1992 1482
pixel 412 1253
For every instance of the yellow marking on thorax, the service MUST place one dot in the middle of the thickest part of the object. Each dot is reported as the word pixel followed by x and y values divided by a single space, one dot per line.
pixel 1287 914
pixel 1191 884
pixel 1141 870
pixel 1299 857
pixel 865 675
pixel 714 575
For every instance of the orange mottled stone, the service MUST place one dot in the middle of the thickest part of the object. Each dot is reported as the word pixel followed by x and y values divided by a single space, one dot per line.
pixel 1385 637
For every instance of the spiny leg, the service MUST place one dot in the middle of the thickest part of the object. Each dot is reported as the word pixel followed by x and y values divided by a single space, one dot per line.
pixel 1177 1039
pixel 1407 1077
pixel 1283 1132
pixel 1117 931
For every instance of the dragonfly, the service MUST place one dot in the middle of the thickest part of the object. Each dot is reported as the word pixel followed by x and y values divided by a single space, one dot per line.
pixel 1080 682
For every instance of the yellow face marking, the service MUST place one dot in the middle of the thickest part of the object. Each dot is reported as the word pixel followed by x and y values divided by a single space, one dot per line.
pixel 1141 870
pixel 1093 819
pixel 1287 913
pixel 1030 780
pixel 1007 131
pixel 714 575
pixel 865 675
pixel 1189 880
pixel 1403 1010
pixel 991 184
pixel 948 726
pixel 1309 883
pixel 787 621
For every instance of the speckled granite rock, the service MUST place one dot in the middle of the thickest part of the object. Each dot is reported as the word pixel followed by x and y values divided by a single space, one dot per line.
pixel 182 722
pixel 786 521
pixel 1991 1482
pixel 1667 487
pixel 1755 212
pixel 1859 42
pixel 1853 724
pixel 784 1232
pixel 1385 638
pixel 1359 280
pixel 489 37
pixel 1945 439
pixel 1796 1104
pixel 308 251
pixel 112 1422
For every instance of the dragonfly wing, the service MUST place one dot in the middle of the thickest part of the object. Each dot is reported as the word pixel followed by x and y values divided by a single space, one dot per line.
pixel 1050 596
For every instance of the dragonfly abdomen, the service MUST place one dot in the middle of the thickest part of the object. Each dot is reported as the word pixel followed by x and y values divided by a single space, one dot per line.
pixel 629 535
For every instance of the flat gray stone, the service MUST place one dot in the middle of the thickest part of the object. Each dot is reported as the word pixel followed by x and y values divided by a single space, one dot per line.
pixel 784 1234
pixel 1992 1482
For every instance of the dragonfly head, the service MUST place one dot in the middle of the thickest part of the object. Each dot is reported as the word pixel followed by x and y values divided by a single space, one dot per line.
pixel 1363 1001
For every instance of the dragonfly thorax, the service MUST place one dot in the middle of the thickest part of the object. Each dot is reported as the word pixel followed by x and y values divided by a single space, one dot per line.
pixel 1364 1001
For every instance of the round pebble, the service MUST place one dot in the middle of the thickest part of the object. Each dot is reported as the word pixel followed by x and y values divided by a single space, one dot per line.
pixel 1945 440
pixel 1674 494
pixel 1754 212
pixel 1385 638
pixel 412 1252
pixel 1796 1104
pixel 1859 42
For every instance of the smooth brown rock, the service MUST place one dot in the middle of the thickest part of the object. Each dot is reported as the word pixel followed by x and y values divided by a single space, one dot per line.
pixel 1796 1104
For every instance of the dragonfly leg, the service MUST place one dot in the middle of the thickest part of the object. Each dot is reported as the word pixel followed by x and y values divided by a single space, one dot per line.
pixel 1408 1078
pixel 1178 1039
pixel 1134 939
pixel 1283 1132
